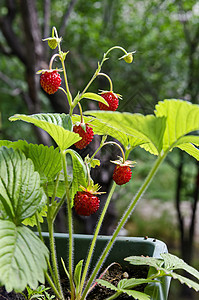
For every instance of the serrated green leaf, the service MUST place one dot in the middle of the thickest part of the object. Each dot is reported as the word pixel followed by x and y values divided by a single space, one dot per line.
pixel 58 126
pixel 182 119
pixel 132 282
pixel 137 295
pixel 173 262
pixel 190 149
pixel 47 161
pixel 142 260
pixel 102 128
pixel 107 284
pixel 190 283
pixel 61 189
pixel 22 257
pixel 95 97
pixel 77 274
pixel 131 130
pixel 20 144
pixel 31 221
pixel 79 172
pixel 20 191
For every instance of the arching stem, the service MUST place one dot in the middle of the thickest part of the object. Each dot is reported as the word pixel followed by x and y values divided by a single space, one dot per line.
pixel 109 79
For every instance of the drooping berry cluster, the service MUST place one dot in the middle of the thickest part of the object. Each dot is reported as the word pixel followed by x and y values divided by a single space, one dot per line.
pixel 85 133
pixel 86 203
pixel 50 81
pixel 111 99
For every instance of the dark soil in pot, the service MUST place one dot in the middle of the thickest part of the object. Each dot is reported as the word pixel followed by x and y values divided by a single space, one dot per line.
pixel 113 274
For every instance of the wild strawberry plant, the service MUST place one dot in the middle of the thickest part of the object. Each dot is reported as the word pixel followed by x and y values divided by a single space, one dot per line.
pixel 33 177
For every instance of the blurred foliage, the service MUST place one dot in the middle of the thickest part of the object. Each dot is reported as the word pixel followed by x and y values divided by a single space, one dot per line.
pixel 159 31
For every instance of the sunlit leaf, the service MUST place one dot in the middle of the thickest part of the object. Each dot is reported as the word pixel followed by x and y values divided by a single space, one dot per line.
pixel 58 126
pixel 131 130
pixel 182 119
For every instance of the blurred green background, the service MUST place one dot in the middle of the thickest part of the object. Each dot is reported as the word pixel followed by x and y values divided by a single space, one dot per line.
pixel 165 35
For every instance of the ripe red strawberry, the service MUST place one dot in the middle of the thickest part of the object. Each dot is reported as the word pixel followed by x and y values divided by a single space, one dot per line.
pixel 111 99
pixel 86 135
pixel 50 81
pixel 86 203
pixel 122 174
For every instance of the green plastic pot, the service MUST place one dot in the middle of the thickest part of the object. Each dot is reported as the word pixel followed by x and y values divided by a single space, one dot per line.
pixel 122 248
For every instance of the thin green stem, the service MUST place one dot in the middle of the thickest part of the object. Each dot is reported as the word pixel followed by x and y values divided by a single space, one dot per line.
pixel 52 59
pixel 123 220
pixel 56 34
pixel 55 188
pixel 67 85
pixel 42 239
pixel 114 143
pixel 81 113
pixel 116 47
pixel 95 237
pixel 109 79
pixel 53 257
pixel 70 225
pixel 61 297
pixel 59 206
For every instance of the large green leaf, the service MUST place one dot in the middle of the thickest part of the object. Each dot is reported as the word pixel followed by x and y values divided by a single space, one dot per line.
pixel 22 257
pixel 58 126
pixel 20 191
pixel 79 172
pixel 20 144
pixel 46 160
pixel 131 130
pixel 182 119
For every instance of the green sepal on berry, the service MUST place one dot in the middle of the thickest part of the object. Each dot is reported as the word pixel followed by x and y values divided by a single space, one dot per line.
pixel 86 201
pixel 122 172
pixel 120 162
pixel 92 188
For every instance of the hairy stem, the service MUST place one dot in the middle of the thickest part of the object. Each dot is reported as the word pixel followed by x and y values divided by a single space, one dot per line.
pixel 54 258
pixel 70 225
pixel 123 221
pixel 95 237
pixel 53 287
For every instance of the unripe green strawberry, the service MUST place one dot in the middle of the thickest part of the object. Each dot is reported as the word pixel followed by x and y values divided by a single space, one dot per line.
pixel 86 134
pixel 52 43
pixel 112 99
pixel 86 203
pixel 122 174
pixel 50 81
